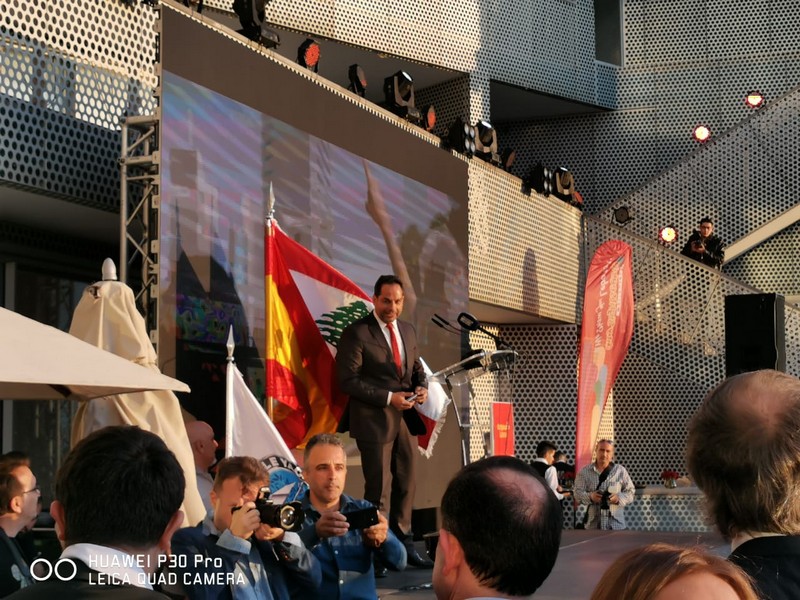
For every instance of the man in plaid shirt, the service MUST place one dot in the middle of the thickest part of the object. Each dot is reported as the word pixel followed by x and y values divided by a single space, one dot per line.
pixel 616 486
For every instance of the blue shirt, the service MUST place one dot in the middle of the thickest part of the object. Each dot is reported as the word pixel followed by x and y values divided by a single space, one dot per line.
pixel 251 569
pixel 347 572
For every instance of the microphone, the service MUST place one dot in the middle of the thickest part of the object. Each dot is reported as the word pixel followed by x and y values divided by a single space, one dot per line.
pixel 470 323
pixel 440 321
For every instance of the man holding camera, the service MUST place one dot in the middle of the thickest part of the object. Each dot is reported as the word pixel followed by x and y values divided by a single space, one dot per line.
pixel 342 532
pixel 606 487
pixel 232 553
pixel 705 247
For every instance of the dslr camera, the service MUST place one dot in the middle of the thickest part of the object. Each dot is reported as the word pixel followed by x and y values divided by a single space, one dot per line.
pixel 288 517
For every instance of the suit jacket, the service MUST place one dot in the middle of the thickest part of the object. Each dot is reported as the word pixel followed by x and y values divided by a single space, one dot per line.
pixel 774 564
pixel 84 586
pixel 366 372
pixel 13 566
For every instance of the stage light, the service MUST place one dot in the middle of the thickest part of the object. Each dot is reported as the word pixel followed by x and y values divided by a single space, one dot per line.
pixel 622 215
pixel 754 99
pixel 701 133
pixel 563 184
pixel 398 90
pixel 308 54
pixel 251 17
pixel 428 117
pixel 540 179
pixel 358 80
pixel 507 158
pixel 667 235
pixel 190 3
pixel 460 137
pixel 486 142
pixel 485 137
pixel 269 38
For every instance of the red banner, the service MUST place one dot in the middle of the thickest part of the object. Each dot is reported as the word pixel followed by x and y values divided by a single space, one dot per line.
pixel 607 328
pixel 502 429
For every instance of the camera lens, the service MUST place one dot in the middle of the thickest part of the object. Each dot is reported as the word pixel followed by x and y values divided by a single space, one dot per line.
pixel 288 516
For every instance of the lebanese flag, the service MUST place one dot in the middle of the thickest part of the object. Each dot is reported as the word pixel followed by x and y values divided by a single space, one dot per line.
pixel 606 331
pixel 309 303
pixel 432 412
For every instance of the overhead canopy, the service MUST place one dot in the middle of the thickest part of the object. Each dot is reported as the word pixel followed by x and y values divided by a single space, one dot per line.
pixel 39 362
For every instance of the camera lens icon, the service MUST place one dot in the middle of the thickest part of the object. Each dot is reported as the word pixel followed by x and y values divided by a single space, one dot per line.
pixel 65 569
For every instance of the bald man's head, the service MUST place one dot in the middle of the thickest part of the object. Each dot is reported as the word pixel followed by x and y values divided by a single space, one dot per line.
pixel 204 446
pixel 508 523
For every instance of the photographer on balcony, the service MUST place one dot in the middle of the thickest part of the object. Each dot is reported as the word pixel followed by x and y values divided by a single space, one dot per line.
pixel 232 553
pixel 705 247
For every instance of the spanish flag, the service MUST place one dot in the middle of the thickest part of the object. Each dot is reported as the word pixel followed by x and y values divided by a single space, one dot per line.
pixel 309 303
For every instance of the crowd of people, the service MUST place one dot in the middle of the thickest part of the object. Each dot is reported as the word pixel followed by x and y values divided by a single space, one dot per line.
pixel 118 496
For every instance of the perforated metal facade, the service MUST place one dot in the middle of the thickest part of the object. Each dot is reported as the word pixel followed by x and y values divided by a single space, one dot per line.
pixel 542 44
pixel 70 72
pixel 524 250
pixel 690 62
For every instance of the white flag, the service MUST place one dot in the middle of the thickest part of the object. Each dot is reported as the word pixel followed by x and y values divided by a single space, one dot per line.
pixel 250 432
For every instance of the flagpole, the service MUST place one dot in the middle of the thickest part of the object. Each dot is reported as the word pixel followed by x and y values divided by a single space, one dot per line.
pixel 267 305
pixel 229 395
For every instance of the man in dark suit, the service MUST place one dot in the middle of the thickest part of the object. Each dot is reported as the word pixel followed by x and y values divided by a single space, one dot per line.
pixel 378 367
pixel 118 498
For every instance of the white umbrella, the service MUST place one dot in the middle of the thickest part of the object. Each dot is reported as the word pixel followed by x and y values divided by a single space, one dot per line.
pixel 107 317
pixel 39 362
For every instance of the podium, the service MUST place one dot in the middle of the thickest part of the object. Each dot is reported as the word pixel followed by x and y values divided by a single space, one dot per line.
pixel 461 373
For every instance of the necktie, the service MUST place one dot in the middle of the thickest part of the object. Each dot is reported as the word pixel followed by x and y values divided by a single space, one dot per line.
pixel 398 360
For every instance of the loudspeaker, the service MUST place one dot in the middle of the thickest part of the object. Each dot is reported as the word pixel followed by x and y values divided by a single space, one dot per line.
pixel 754 333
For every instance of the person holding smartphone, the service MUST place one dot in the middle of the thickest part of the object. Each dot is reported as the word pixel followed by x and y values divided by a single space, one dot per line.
pixel 378 366
pixel 344 534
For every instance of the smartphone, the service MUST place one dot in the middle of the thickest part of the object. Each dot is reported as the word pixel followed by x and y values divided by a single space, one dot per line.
pixel 363 518
pixel 412 398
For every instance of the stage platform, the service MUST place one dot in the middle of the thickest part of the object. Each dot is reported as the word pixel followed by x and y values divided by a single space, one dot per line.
pixel 583 558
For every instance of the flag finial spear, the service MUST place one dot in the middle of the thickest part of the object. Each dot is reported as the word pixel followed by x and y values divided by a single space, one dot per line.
pixel 230 345
pixel 271 204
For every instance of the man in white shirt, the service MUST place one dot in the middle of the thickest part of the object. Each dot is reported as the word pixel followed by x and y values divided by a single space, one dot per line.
pixel 543 463
pixel 204 448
